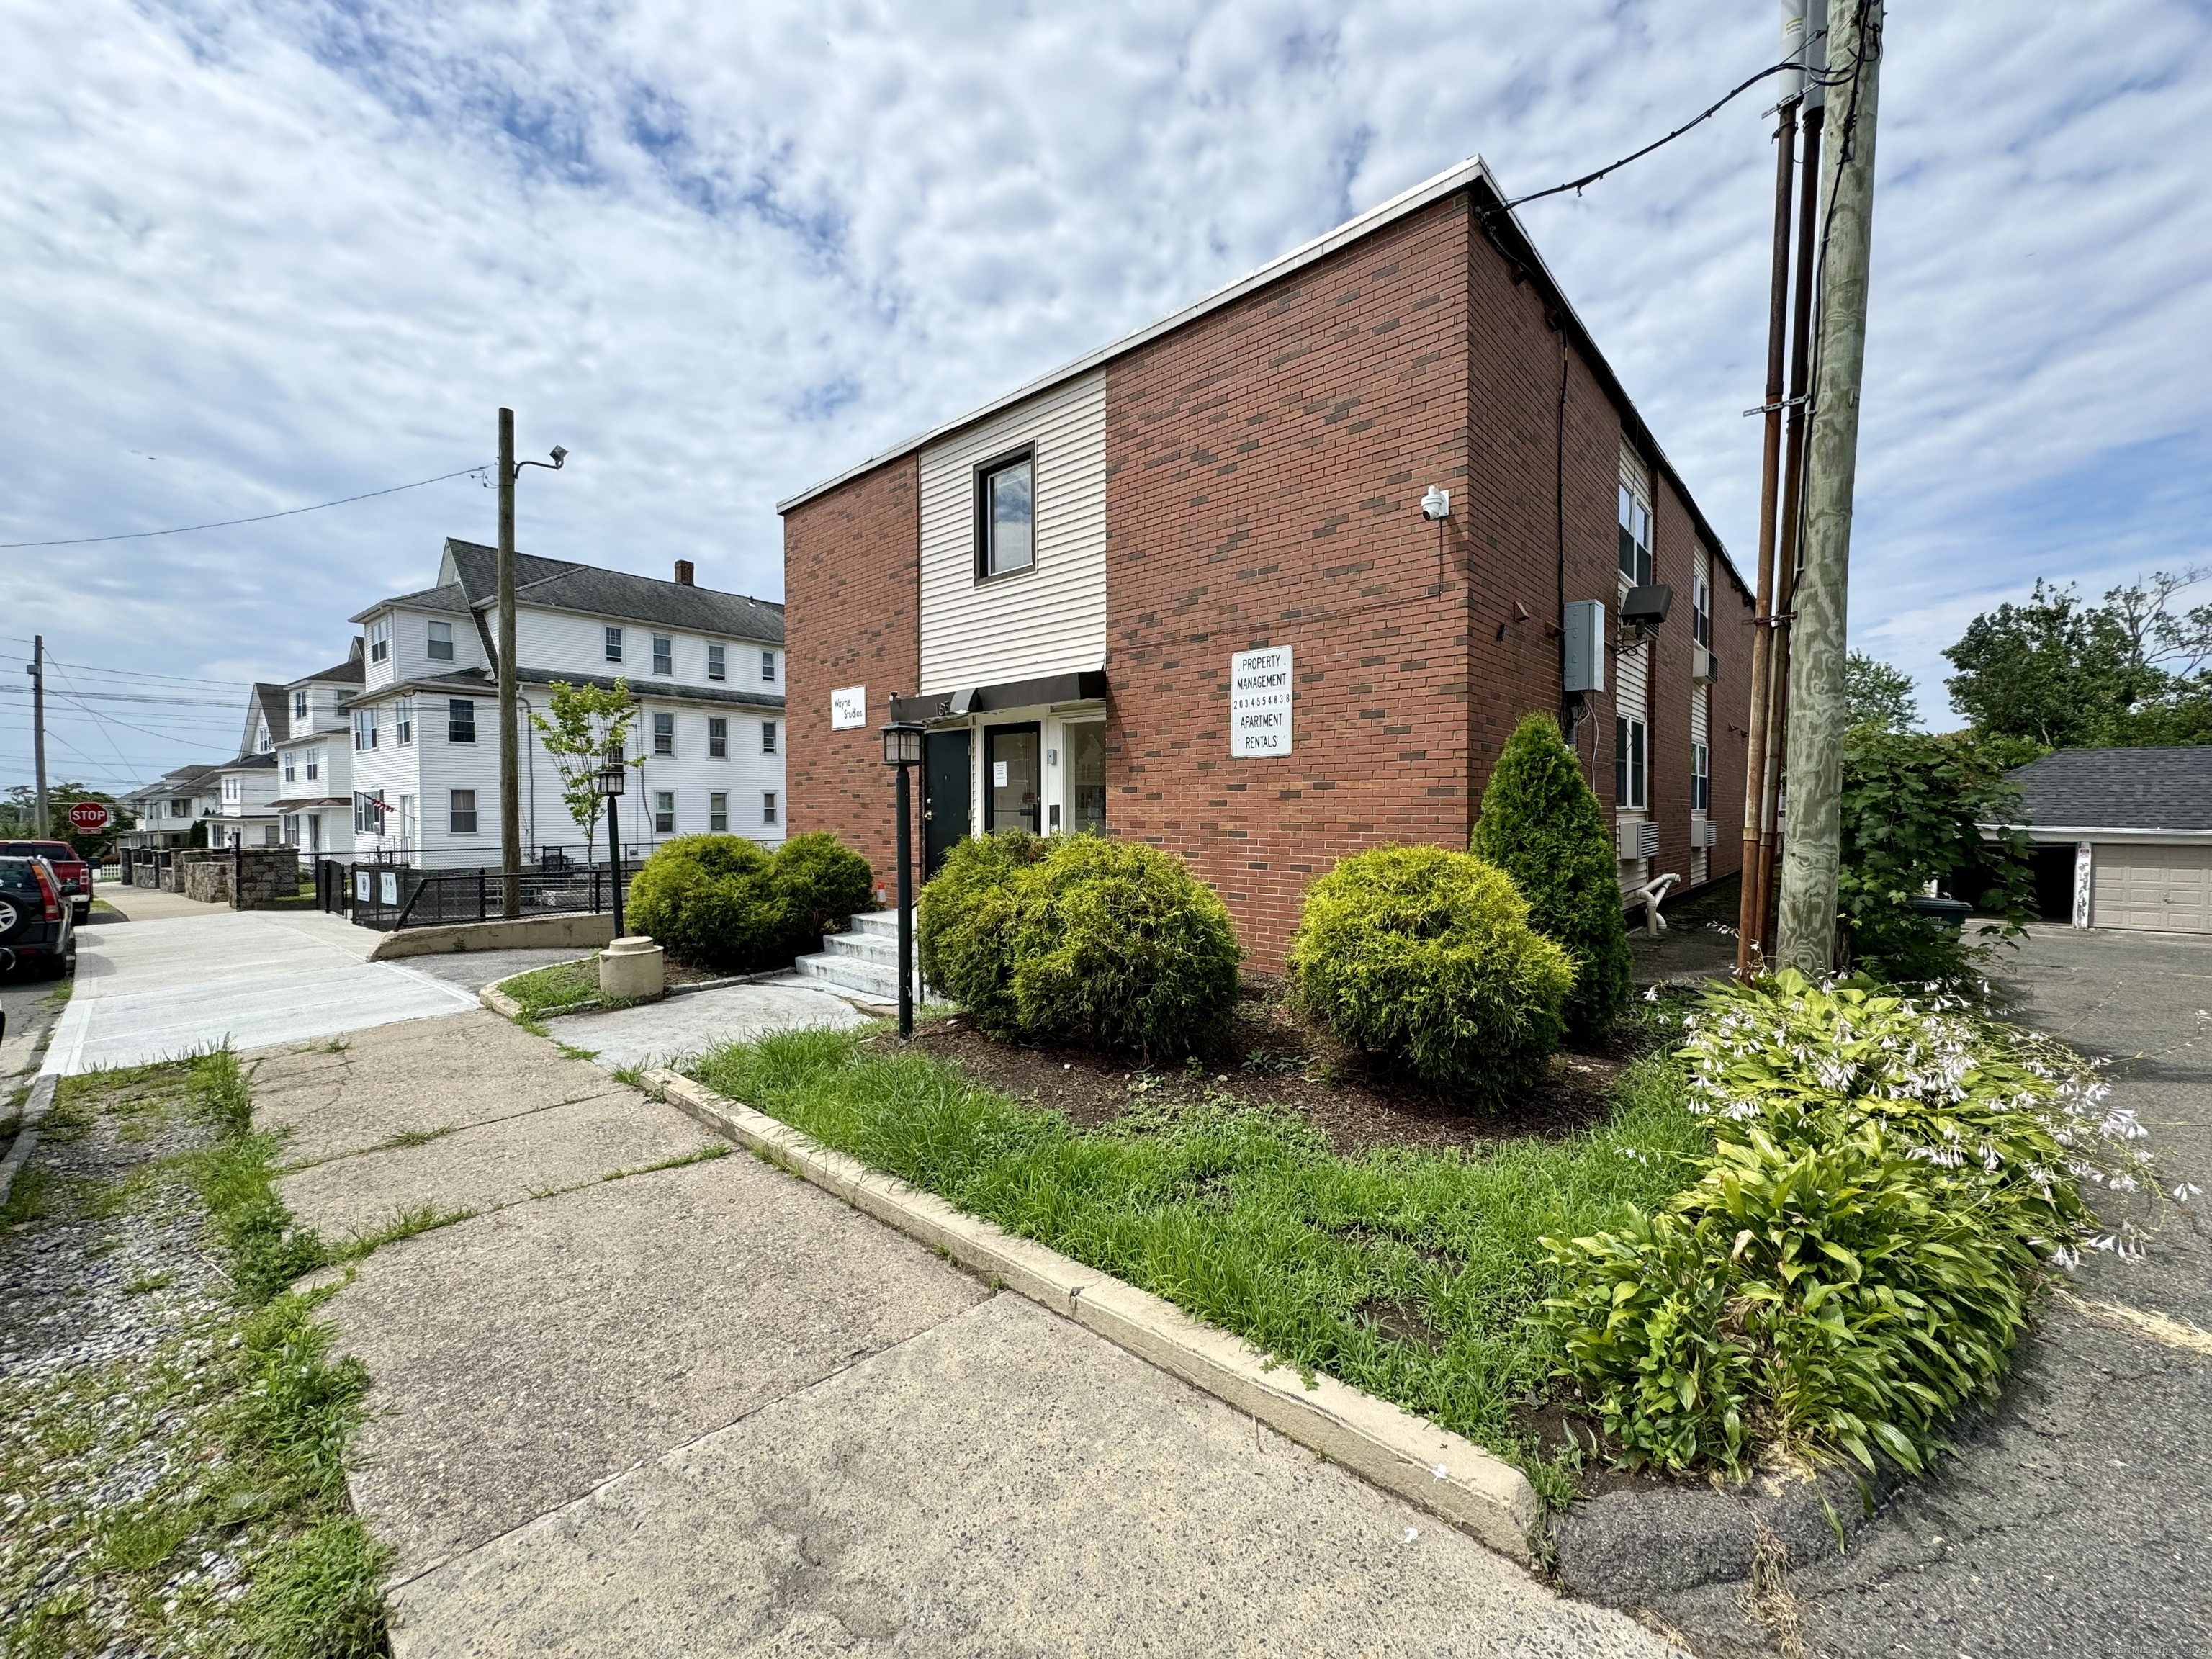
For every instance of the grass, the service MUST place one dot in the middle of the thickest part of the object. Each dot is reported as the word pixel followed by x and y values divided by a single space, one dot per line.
pixel 560 985
pixel 1406 1274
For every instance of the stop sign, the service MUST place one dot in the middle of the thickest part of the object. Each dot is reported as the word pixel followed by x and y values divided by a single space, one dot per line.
pixel 91 816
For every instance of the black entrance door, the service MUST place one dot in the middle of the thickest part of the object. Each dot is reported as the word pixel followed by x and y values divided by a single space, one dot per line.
pixel 946 790
pixel 1013 787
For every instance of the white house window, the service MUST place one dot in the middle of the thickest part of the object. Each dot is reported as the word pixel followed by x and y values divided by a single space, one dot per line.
pixel 291 756
pixel 291 828
pixel 1701 612
pixel 368 815
pixel 1635 538
pixel 230 789
pixel 768 807
pixel 663 654
pixel 614 645
pixel 439 647
pixel 717 669
pixel 461 817
pixel 663 811
pixel 299 705
pixel 1004 507
pixel 1628 762
pixel 380 641
pixel 262 741
pixel 461 720
pixel 767 736
pixel 314 764
pixel 180 809
pixel 1701 778
pixel 402 722
pixel 718 737
pixel 364 728
pixel 718 813
pixel 663 734
pixel 768 664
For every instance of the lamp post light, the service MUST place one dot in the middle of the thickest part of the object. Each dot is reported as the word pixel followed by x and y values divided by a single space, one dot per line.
pixel 610 779
pixel 902 749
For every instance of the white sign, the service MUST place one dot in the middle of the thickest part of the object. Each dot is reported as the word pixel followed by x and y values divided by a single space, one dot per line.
pixel 1260 702
pixel 848 707
pixel 998 775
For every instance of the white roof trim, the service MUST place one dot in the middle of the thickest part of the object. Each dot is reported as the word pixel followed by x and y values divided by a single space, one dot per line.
pixel 1351 230
pixel 2056 832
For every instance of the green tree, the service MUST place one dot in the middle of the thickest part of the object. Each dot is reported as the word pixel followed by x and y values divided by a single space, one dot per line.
pixel 1543 827
pixel 2053 670
pixel 1879 695
pixel 580 724
pixel 19 816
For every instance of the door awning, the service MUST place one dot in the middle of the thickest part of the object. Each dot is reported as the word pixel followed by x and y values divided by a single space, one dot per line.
pixel 1082 686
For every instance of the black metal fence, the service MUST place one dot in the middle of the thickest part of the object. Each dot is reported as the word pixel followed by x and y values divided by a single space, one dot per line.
pixel 388 896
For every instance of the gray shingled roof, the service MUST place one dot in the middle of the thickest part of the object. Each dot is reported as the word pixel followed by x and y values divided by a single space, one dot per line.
pixel 2118 789
pixel 562 584
pixel 349 672
pixel 452 598
pixel 478 681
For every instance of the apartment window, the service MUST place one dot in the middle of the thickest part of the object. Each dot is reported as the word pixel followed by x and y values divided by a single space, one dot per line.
pixel 768 666
pixel 439 647
pixel 364 728
pixel 663 734
pixel 368 815
pixel 614 645
pixel 461 720
pixel 663 654
pixel 380 641
pixel 180 809
pixel 768 807
pixel 718 737
pixel 717 668
pixel 1701 778
pixel 1628 758
pixel 291 828
pixel 1635 538
pixel 663 811
pixel 461 818
pixel 402 722
pixel 1701 612
pixel 314 764
pixel 1004 515
pixel 299 705
pixel 767 736
pixel 718 813
pixel 230 789
pixel 290 756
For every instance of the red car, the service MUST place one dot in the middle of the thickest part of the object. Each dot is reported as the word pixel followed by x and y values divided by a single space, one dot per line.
pixel 72 872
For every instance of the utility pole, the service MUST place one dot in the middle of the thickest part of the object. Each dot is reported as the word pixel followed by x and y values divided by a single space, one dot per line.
pixel 38 673
pixel 1806 922
pixel 510 801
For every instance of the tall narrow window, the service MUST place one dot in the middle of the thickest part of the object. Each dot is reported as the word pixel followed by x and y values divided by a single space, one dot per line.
pixel 663 734
pixel 718 737
pixel 718 813
pixel 290 756
pixel 364 728
pixel 299 705
pixel 380 641
pixel 663 811
pixel 461 818
pixel 461 720
pixel 1635 538
pixel 768 666
pixel 767 736
pixel 768 807
pixel 1701 612
pixel 1628 763
pixel 314 764
pixel 402 722
pixel 663 654
pixel 1005 511
pixel 614 645
pixel 1701 779
pixel 440 647
pixel 717 663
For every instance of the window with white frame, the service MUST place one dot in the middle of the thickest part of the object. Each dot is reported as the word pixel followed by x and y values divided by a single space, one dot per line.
pixel 263 743
pixel 314 763
pixel 1628 763
pixel 180 809
pixel 663 734
pixel 718 812
pixel 663 811
pixel 1635 537
pixel 380 641
pixel 768 807
pixel 299 705
pixel 291 758
pixel 402 722
pixel 1701 778
pixel 614 645
pixel 1006 516
pixel 291 828
pixel 461 720
pixel 230 790
pixel 718 737
pixel 439 648
pixel 717 666
pixel 767 736
pixel 663 654
pixel 461 815
pixel 368 815
pixel 1701 612
pixel 364 728
pixel 768 664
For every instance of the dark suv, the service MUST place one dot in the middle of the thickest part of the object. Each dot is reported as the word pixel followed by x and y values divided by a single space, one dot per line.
pixel 37 932
pixel 67 864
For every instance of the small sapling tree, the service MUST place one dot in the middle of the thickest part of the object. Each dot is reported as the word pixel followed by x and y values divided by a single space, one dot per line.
pixel 580 724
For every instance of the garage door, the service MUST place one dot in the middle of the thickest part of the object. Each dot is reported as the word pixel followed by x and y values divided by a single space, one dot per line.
pixel 2165 888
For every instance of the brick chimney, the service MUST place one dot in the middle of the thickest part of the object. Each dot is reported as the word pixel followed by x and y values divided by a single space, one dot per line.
pixel 683 572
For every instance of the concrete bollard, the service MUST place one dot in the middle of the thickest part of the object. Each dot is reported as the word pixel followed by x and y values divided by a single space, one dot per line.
pixel 630 970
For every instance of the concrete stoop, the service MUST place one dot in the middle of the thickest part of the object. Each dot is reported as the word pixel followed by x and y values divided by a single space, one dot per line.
pixel 863 962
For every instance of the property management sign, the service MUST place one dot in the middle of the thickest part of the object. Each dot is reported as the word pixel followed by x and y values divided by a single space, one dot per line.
pixel 1260 702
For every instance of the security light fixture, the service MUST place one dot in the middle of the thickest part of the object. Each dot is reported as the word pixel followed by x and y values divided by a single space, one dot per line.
pixel 1437 504
pixel 1646 607
pixel 901 744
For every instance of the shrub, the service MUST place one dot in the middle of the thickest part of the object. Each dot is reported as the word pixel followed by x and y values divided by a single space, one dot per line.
pixel 1116 943
pixel 1425 957
pixel 823 882
pixel 1543 827
pixel 720 901
pixel 964 924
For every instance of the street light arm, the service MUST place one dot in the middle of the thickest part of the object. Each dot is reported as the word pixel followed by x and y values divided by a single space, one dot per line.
pixel 560 459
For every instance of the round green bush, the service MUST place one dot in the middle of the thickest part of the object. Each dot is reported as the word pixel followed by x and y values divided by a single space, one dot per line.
pixel 1424 957
pixel 721 901
pixel 1543 826
pixel 1117 944
pixel 823 882
pixel 964 924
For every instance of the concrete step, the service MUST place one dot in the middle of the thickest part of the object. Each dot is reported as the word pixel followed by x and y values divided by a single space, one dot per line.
pixel 879 982
pixel 865 947
pixel 882 923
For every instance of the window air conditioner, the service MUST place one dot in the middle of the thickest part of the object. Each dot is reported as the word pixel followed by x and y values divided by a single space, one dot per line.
pixel 1637 839
pixel 1705 667
pixel 1704 832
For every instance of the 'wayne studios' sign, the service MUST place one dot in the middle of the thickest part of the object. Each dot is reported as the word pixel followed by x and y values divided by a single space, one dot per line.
pixel 1260 702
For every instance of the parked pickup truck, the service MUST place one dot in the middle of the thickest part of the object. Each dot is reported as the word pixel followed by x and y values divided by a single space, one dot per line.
pixel 73 872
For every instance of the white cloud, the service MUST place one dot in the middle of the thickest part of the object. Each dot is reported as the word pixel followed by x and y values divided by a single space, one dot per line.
pixel 295 251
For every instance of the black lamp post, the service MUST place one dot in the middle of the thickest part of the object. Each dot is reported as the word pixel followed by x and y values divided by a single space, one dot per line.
pixel 902 749
pixel 610 779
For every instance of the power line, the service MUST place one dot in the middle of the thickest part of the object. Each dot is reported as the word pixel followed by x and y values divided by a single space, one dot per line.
pixel 258 517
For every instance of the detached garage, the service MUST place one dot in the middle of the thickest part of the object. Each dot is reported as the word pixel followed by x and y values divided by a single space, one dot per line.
pixel 2123 836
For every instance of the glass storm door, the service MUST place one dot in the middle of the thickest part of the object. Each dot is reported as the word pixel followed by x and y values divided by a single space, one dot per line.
pixel 1014 779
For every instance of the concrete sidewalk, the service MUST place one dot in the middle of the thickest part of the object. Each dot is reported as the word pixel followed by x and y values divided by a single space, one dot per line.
pixel 707 1409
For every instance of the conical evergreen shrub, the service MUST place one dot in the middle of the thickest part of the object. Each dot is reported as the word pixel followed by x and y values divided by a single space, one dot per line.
pixel 1543 827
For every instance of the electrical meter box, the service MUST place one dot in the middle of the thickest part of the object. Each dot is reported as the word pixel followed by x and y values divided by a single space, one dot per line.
pixel 1585 626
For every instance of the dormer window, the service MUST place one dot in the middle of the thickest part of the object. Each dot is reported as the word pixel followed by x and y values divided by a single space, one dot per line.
pixel 262 741
pixel 1006 516
pixel 380 641
pixel 440 646
pixel 299 705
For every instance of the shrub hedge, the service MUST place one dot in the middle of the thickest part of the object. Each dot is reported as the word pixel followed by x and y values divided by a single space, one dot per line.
pixel 1424 957
pixel 721 901
pixel 1543 826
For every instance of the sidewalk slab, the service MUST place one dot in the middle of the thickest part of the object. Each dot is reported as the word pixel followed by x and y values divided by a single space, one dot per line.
pixel 1005 1483
pixel 418 1075
pixel 518 1359
pixel 660 1033
pixel 488 1165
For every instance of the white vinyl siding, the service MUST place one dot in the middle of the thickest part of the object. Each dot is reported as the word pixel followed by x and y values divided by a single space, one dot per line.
pixel 1051 617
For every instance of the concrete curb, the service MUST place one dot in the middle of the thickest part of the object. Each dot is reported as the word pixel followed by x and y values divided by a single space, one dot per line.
pixel 498 1000
pixel 34 1108
pixel 1443 1473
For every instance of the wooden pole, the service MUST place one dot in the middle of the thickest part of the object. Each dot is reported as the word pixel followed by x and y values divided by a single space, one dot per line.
pixel 510 801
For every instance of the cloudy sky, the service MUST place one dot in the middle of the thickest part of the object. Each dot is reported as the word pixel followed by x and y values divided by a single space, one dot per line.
pixel 259 255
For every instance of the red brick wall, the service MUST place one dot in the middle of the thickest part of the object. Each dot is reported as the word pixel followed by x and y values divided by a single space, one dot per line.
pixel 851 589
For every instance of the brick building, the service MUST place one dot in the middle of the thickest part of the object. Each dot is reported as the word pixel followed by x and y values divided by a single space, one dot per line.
pixel 1064 584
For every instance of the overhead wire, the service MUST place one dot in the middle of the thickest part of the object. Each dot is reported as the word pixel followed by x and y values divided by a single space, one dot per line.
pixel 258 517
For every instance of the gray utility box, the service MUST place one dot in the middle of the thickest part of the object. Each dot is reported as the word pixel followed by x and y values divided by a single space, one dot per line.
pixel 1585 625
